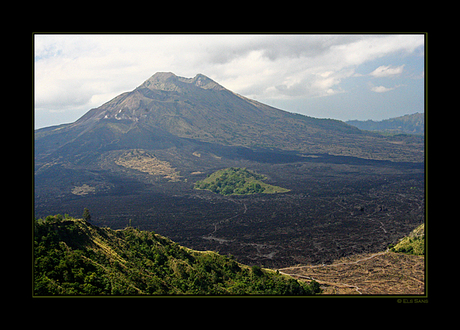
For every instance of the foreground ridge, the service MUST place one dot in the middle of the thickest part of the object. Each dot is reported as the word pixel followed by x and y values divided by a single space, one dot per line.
pixel 73 257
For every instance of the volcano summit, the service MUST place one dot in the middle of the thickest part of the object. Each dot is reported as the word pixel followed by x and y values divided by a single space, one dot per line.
pixel 167 108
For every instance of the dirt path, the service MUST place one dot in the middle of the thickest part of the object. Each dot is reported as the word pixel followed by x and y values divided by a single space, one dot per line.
pixel 324 282
pixel 378 273
pixel 337 284
pixel 338 264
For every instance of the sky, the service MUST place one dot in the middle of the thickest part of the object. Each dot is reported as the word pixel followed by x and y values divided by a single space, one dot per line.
pixel 339 76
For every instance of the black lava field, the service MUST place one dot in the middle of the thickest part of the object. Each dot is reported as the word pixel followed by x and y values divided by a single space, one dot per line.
pixel 336 206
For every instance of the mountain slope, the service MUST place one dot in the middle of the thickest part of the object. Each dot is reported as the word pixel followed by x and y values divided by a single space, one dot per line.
pixel 170 111
pixel 72 257
pixel 412 124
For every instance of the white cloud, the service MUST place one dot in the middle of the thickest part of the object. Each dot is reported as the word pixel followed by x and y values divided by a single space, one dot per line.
pixel 307 66
pixel 387 71
pixel 78 71
pixel 383 89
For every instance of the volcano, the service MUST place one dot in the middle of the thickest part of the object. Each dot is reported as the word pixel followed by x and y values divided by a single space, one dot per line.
pixel 138 157
pixel 189 125
pixel 167 110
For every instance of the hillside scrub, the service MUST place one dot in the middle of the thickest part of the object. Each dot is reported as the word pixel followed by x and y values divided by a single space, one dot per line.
pixel 237 181
pixel 414 243
pixel 73 257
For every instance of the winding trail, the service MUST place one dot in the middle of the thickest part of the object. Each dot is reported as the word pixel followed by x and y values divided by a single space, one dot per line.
pixel 339 264
pixel 216 224
pixel 324 282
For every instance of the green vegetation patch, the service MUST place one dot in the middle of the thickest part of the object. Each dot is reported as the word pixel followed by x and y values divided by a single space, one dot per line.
pixel 412 244
pixel 73 257
pixel 237 181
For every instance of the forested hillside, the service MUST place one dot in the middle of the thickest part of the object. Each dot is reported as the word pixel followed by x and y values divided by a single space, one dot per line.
pixel 73 257
pixel 237 181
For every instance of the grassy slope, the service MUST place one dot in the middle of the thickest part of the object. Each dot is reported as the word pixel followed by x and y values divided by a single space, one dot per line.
pixel 72 257
pixel 414 243
pixel 237 181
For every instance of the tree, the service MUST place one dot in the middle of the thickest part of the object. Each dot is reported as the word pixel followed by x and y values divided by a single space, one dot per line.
pixel 315 287
pixel 257 270
pixel 227 190
pixel 86 215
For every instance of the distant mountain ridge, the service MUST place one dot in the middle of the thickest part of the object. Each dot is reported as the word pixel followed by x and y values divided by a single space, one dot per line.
pixel 411 124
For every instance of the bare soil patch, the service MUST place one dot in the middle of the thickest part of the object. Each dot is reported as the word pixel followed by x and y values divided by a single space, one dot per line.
pixel 375 274
pixel 142 161
pixel 83 190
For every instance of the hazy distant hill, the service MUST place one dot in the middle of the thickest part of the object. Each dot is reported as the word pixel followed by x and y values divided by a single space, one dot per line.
pixel 411 124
